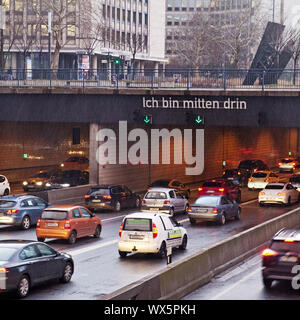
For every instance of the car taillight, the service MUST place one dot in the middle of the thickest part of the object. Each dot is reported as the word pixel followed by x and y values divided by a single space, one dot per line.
pixel 280 163
pixel 67 224
pixel 87 196
pixel 3 270
pixel 166 202
pixel 38 223
pixel 289 240
pixel 107 197
pixel 120 229
pixel 190 209
pixel 200 189
pixel 221 189
pixel 154 230
pixel 12 211
pixel 269 253
pixel 250 179
pixel 214 210
pixel 261 193
pixel 293 164
pixel 281 194
pixel 266 180
pixel 143 201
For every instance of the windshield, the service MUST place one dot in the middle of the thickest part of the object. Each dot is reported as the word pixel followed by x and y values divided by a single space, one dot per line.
pixel 7 203
pixel 55 215
pixel 99 191
pixel 259 175
pixel 137 224
pixel 274 186
pixel 279 245
pixel 230 173
pixel 212 184
pixel 7 253
pixel 156 195
pixel 207 201
pixel 246 164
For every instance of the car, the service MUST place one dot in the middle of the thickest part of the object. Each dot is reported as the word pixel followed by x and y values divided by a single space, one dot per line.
pixel 260 179
pixel 68 178
pixel 296 169
pixel 150 233
pixel 246 167
pixel 75 163
pixel 287 164
pixel 164 200
pixel 235 176
pixel 40 181
pixel 67 222
pixel 172 184
pixel 26 263
pixel 281 256
pixel 295 181
pixel 280 193
pixel 112 197
pixel 220 187
pixel 4 186
pixel 217 208
pixel 21 210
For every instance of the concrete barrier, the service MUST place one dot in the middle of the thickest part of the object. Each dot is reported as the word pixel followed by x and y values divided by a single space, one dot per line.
pixel 183 277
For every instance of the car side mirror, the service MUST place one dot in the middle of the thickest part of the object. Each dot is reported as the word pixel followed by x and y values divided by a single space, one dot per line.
pixel 178 224
pixel 93 215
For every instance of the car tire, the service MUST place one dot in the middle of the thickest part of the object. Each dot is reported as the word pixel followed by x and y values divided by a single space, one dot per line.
pixel 261 204
pixel 41 239
pixel 192 221
pixel 222 220
pixel 72 237
pixel 6 192
pixel 267 283
pixel 238 215
pixel 171 212
pixel 23 287
pixel 162 250
pixel 117 206
pixel 26 223
pixel 67 273
pixel 97 231
pixel 184 243
pixel 122 254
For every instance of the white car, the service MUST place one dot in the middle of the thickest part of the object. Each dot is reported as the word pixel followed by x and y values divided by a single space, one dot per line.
pixel 282 193
pixel 150 233
pixel 260 179
pixel 287 164
pixel 4 186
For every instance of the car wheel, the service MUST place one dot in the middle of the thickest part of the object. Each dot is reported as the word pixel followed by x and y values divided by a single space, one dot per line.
pixel 122 254
pixel 67 273
pixel 192 221
pixel 267 283
pixel 238 215
pixel 138 202
pixel 117 206
pixel 97 231
pixel 72 237
pixel 163 250
pixel 41 239
pixel 261 204
pixel 184 243
pixel 23 287
pixel 26 223
pixel 6 192
pixel 171 212
pixel 222 220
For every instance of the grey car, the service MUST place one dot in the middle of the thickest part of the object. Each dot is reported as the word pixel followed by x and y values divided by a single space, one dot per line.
pixel 164 200
pixel 215 208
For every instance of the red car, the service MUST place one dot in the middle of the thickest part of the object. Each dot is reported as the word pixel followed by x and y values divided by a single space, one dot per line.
pixel 220 187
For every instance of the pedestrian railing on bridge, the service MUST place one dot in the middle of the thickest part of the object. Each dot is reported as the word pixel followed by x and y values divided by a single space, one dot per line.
pixel 185 79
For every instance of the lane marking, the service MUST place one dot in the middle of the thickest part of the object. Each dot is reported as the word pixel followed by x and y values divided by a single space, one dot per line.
pixel 114 218
pixel 76 252
pixel 248 202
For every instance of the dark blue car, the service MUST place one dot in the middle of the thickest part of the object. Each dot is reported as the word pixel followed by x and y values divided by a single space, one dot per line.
pixel 20 210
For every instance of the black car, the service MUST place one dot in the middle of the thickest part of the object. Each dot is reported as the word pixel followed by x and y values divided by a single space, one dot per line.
pixel 69 178
pixel 25 263
pixel 237 177
pixel 112 197
pixel 246 167
pixel 281 256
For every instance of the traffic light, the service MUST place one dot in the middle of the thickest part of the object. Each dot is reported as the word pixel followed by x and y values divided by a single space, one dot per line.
pixel 117 61
pixel 25 156
pixel 147 119
pixel 194 119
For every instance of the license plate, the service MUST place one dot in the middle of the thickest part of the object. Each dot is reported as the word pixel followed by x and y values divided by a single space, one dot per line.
pixel 96 200
pixel 288 259
pixel 52 224
pixel 153 209
pixel 136 237
pixel 210 191
pixel 201 211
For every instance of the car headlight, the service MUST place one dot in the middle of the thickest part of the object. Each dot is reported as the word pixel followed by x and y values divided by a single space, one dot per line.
pixel 48 184
pixel 65 185
pixel 25 183
pixel 62 165
pixel 40 183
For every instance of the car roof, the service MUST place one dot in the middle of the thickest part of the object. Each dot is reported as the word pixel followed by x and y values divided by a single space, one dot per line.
pixel 161 189
pixel 283 234
pixel 106 186
pixel 63 207
pixel 146 215
pixel 16 243
pixel 18 197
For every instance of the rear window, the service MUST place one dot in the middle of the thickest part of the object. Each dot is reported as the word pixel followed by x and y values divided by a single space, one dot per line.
pixel 259 175
pixel 287 160
pixel 7 253
pixel 274 187
pixel 279 245
pixel 212 184
pixel 207 201
pixel 54 215
pixel 246 164
pixel 7 204
pixel 99 191
pixel 156 195
pixel 137 224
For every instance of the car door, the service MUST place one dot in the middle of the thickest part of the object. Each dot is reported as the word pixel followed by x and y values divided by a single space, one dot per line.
pixel 180 199
pixel 78 222
pixel 292 192
pixel 173 200
pixel 227 207
pixel 174 235
pixel 41 205
pixel 34 210
pixel 88 222
pixel 2 185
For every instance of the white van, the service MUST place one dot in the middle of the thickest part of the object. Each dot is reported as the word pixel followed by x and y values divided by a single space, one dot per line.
pixel 150 233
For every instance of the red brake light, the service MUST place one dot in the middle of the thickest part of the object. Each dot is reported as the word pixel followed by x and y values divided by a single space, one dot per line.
pixel 107 197
pixel 120 229
pixel 67 224
pixel 190 209
pixel 269 253
pixel 200 189
pixel 221 189
pixel 154 230
pixel 87 196
pixel 11 211
pixel 289 240
pixel 38 223
pixel 3 269
pixel 293 164
pixel 166 202
pixel 214 210
pixel 143 201
pixel 279 163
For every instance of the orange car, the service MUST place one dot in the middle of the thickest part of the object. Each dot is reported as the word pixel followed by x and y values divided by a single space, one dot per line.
pixel 67 222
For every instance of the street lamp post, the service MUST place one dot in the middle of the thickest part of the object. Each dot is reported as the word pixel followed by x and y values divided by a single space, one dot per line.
pixel 2 27
pixel 49 37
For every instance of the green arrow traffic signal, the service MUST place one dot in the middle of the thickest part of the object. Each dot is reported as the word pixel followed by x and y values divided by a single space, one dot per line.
pixel 199 120
pixel 148 119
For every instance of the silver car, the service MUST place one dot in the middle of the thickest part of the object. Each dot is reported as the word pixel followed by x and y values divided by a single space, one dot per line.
pixel 164 200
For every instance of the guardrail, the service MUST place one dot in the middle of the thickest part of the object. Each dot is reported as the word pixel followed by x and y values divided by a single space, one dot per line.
pixel 152 79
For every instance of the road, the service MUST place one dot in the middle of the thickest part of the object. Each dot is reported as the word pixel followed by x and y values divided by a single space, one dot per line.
pixel 98 268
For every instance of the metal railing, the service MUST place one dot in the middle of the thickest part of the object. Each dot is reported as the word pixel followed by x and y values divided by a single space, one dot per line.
pixel 184 79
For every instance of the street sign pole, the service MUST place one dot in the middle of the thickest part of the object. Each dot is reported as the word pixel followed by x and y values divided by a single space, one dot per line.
pixel 2 27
